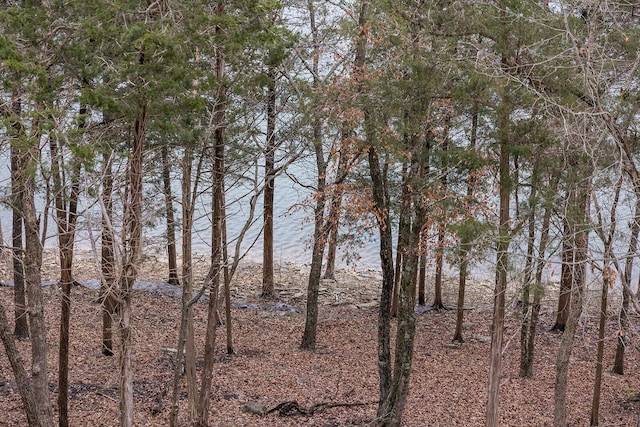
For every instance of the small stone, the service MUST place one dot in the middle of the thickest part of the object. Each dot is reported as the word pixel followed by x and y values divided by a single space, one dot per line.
pixel 255 408
pixel 370 304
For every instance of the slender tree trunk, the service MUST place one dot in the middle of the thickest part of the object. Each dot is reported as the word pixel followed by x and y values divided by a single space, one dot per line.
pixel 380 194
pixel 108 262
pixel 202 419
pixel 131 260
pixel 319 231
pixel 465 240
pixel 335 208
pixel 66 222
pixel 392 406
pixel 269 182
pixel 502 247
pixel 227 276
pixel 172 255
pixel 399 254
pixel 19 371
pixel 319 237
pixel 526 367
pixel 437 301
pixel 32 263
pixel 462 286
pixel 608 278
pixel 21 329
pixel 576 239
pixel 618 364
pixel 566 281
pixel 526 364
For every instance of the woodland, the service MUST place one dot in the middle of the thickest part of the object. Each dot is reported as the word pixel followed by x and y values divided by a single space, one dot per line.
pixel 456 134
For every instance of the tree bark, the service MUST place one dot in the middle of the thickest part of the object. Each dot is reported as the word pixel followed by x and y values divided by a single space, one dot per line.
pixel 618 364
pixel 107 258
pixel 66 223
pixel 380 194
pixel 392 407
pixel 21 328
pixel 172 255
pixel 131 260
pixel 502 247
pixel 218 173
pixel 269 182
pixel 576 237
pixel 19 371
pixel 32 263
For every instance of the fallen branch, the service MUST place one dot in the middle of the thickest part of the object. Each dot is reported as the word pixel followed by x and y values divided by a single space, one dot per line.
pixel 292 408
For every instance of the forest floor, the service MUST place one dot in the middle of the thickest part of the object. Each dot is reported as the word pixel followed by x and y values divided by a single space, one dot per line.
pixel 448 381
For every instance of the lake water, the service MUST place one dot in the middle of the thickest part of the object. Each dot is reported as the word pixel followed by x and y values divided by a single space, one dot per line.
pixel 293 226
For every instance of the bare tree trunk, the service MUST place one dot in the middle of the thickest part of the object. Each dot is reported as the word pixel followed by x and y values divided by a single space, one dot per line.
pixel 269 181
pixel 566 281
pixel 172 255
pixel 319 231
pixel 19 371
pixel 502 247
pixel 335 208
pixel 618 364
pixel 608 278
pixel 21 329
pixel 465 240
pixel 32 263
pixel 218 172
pixel 186 339
pixel 576 238
pixel 392 407
pixel 131 259
pixel 526 365
pixel 107 259
pixel 381 199
pixel 319 237
pixel 437 301
pixel 66 223
pixel 227 276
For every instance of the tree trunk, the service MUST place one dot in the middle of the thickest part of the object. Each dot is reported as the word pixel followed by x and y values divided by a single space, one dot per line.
pixel 526 365
pixel 462 286
pixel 19 371
pixel 131 260
pixel 437 301
pixel 269 182
pixel 576 240
pixel 399 254
pixel 502 247
pixel 218 173
pixel 21 328
pixel 107 259
pixel 392 407
pixel 227 276
pixel 32 263
pixel 618 364
pixel 566 281
pixel 319 231
pixel 335 208
pixel 319 237
pixel 172 255
pixel 465 240
pixel 526 362
pixel 380 194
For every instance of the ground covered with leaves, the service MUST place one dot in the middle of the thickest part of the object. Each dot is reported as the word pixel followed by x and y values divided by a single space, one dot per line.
pixel 336 385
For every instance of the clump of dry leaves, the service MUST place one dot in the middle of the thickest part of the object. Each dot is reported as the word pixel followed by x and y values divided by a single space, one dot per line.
pixel 336 385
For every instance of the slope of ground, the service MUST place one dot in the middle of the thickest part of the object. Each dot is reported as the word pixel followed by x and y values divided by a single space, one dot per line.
pixel 448 386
